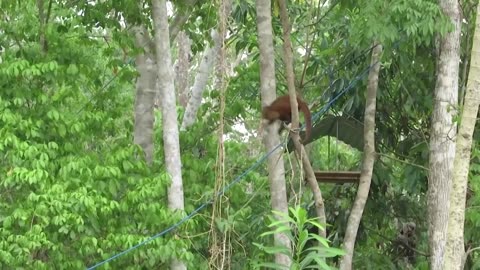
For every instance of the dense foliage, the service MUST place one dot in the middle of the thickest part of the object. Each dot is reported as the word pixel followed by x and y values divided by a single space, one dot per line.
pixel 75 190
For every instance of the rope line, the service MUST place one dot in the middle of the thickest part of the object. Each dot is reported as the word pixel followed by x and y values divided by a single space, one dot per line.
pixel 236 180
pixel 344 90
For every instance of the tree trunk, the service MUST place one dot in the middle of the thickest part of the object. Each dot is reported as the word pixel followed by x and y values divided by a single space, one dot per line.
pixel 300 150
pixel 169 112
pixel 442 136
pixel 144 95
pixel 276 169
pixel 42 26
pixel 204 70
pixel 182 67
pixel 455 250
pixel 368 161
pixel 181 18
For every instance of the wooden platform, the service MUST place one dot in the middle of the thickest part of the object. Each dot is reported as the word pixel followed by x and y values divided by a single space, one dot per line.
pixel 338 177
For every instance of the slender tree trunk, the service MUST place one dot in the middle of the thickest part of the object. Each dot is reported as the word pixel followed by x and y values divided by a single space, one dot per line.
pixel 182 67
pixel 144 95
pixel 169 112
pixel 455 250
pixel 181 18
pixel 41 20
pixel 300 150
pixel 204 70
pixel 276 169
pixel 442 136
pixel 368 161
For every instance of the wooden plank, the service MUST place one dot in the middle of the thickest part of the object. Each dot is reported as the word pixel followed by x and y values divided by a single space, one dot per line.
pixel 338 176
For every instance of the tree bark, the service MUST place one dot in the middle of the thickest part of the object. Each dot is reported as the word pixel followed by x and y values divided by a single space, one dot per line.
pixel 171 148
pixel 455 249
pixel 182 67
pixel 276 169
pixel 368 161
pixel 442 136
pixel 144 95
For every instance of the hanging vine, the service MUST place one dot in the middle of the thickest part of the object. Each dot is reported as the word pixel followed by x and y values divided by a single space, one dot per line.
pixel 220 251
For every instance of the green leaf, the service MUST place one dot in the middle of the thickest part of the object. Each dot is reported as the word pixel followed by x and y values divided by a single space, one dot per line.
pixel 62 130
pixel 72 69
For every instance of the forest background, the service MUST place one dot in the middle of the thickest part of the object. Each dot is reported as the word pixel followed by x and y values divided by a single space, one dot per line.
pixel 120 119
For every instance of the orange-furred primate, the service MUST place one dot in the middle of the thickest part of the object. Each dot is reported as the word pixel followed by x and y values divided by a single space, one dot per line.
pixel 280 109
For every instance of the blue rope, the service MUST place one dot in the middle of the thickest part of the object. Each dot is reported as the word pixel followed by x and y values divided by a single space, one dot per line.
pixel 236 180
pixel 341 93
